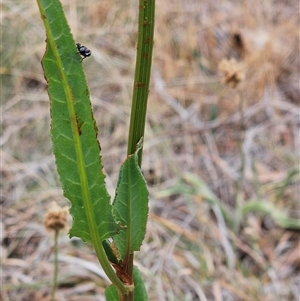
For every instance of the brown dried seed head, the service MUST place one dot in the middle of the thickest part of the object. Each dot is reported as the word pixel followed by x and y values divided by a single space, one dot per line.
pixel 233 72
pixel 56 218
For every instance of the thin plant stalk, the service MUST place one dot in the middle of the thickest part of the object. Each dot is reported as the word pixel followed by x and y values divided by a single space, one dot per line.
pixel 141 84
pixel 239 185
pixel 54 285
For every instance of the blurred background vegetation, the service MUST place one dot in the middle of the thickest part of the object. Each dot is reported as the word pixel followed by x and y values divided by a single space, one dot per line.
pixel 221 153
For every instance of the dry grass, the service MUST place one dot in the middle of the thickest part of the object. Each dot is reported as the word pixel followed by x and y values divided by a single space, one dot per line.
pixel 233 126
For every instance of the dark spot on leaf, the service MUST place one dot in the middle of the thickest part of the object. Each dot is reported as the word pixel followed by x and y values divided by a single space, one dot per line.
pixel 79 125
pixel 140 85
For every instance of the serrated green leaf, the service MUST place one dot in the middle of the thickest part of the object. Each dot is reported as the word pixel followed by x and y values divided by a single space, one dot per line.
pixel 73 130
pixel 130 206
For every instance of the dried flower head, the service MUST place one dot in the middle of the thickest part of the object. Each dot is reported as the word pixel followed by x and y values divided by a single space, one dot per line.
pixel 233 72
pixel 56 218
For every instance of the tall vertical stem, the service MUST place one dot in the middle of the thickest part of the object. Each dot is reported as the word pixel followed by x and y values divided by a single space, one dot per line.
pixel 141 83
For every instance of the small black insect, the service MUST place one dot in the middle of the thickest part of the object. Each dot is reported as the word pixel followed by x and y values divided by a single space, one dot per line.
pixel 84 51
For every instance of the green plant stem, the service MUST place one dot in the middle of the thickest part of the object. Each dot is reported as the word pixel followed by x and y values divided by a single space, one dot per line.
pixel 142 75
pixel 141 86
pixel 54 285
pixel 107 268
